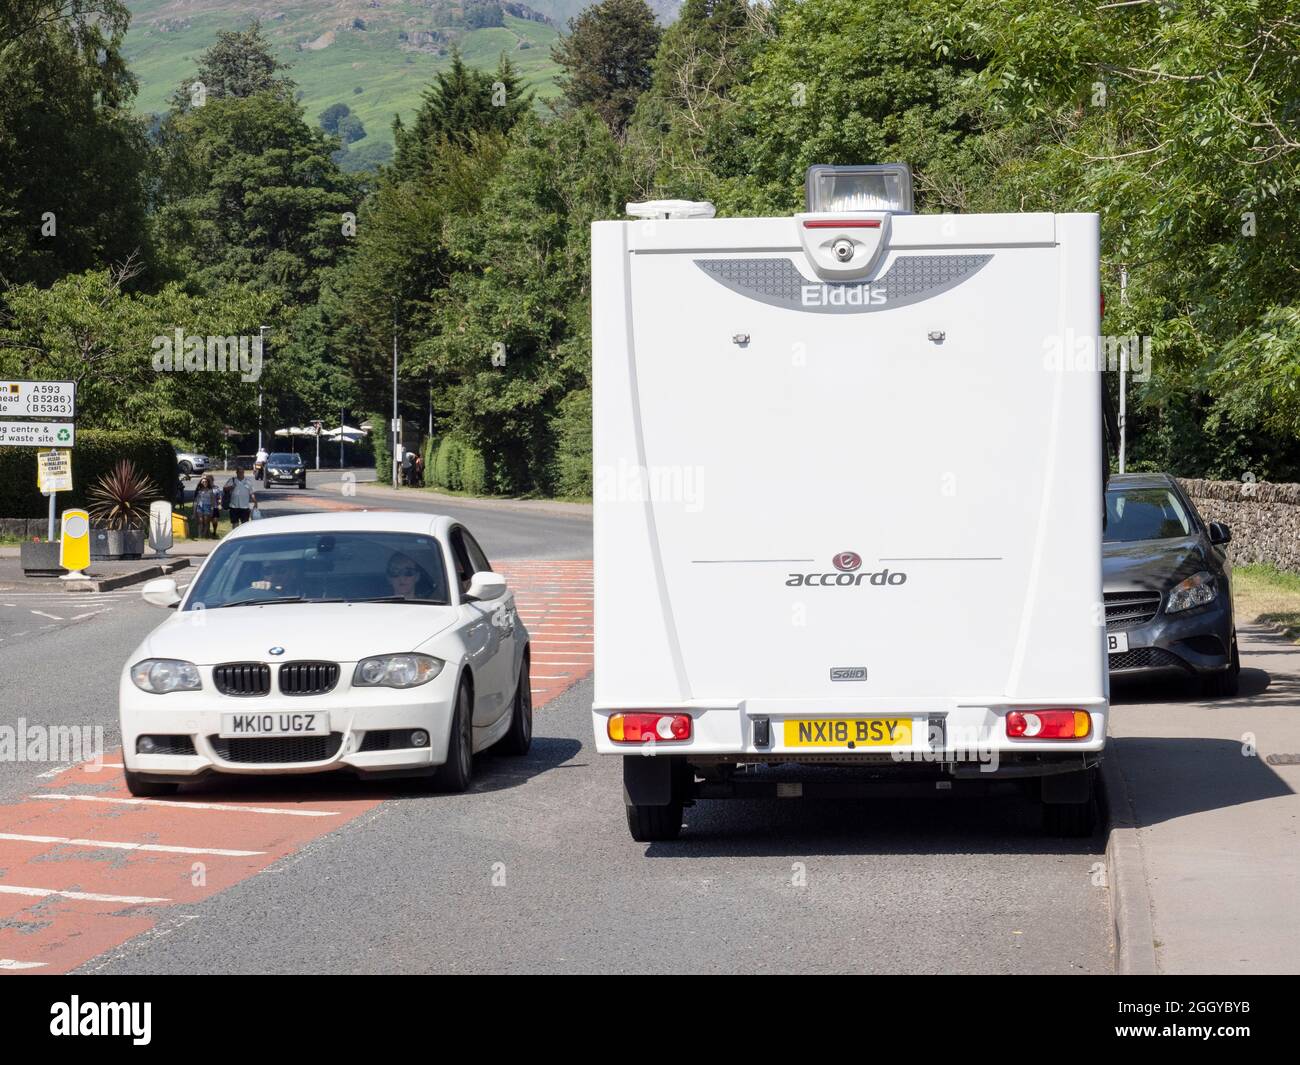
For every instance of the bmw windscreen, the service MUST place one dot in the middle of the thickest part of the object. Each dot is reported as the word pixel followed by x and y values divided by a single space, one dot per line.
pixel 343 567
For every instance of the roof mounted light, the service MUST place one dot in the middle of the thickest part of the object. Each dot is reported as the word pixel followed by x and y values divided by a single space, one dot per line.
pixel 671 209
pixel 878 187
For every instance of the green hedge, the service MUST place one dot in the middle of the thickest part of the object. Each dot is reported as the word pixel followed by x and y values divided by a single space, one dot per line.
pixel 381 437
pixel 96 452
pixel 449 463
pixel 571 466
pixel 456 466
pixel 473 472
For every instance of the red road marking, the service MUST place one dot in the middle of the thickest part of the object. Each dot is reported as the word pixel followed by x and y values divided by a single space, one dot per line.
pixel 59 933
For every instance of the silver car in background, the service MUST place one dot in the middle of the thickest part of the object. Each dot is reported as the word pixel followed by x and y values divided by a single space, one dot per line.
pixel 188 462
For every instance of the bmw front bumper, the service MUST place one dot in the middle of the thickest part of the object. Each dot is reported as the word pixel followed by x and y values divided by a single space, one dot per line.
pixel 364 723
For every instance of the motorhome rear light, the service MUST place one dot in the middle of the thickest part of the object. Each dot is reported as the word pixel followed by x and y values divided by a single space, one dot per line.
pixel 841 223
pixel 649 727
pixel 1049 724
pixel 880 187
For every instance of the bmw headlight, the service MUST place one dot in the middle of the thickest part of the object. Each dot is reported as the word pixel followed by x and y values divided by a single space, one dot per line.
pixel 163 675
pixel 396 671
pixel 1197 590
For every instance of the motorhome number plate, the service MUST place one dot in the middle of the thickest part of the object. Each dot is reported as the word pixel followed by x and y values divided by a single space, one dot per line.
pixel 849 732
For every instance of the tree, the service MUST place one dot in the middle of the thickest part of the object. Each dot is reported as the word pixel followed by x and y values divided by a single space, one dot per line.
pixel 512 327
pixel 461 103
pixel 680 137
pixel 848 81
pixel 249 193
pixel 240 64
pixel 89 329
pixel 351 129
pixel 329 118
pixel 607 57
pixel 73 157
pixel 1179 125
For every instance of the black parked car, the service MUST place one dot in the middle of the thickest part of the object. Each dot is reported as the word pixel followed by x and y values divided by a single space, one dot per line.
pixel 1168 586
pixel 284 468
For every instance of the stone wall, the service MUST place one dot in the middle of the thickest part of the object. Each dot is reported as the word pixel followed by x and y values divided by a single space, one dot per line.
pixel 1264 518
pixel 26 528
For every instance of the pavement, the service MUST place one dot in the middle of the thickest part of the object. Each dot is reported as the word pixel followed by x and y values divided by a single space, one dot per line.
pixel 1209 871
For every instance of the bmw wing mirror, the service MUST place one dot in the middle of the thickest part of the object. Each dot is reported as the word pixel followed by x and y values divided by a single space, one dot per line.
pixel 161 592
pixel 1220 533
pixel 484 586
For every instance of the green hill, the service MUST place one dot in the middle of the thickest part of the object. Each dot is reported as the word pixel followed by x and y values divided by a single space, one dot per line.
pixel 376 56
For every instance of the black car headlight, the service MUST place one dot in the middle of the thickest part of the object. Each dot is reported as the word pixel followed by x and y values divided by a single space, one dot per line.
pixel 1197 590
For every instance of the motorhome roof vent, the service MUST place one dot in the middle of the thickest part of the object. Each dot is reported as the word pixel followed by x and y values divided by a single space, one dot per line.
pixel 671 209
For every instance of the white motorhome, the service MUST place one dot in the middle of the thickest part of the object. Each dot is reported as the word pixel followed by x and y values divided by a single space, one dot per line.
pixel 849 474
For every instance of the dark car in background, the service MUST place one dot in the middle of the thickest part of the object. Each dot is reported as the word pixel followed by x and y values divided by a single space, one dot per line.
pixel 284 468
pixel 1168 586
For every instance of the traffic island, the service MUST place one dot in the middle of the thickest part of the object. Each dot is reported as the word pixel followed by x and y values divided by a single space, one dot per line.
pixel 110 581
pixel 103 578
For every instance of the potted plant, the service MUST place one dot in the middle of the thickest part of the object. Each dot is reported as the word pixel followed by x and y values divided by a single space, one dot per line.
pixel 40 558
pixel 119 508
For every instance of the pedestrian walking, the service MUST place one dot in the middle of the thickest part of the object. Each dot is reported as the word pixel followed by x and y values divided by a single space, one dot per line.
pixel 207 505
pixel 242 499
pixel 419 471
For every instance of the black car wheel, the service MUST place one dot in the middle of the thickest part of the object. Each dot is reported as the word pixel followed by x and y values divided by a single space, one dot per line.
pixel 520 737
pixel 1225 683
pixel 455 773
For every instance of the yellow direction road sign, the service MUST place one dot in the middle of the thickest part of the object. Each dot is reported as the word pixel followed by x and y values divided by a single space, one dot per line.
pixel 54 471
pixel 74 544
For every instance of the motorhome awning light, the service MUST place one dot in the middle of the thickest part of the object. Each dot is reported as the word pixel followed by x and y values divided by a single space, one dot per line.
pixel 878 187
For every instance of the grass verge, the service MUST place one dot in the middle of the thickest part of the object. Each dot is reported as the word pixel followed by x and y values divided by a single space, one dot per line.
pixel 1268 595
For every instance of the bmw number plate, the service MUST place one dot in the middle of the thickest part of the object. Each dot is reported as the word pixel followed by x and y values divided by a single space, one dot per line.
pixel 286 723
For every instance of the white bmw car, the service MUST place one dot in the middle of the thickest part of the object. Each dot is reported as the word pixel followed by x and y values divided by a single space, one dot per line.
pixel 378 643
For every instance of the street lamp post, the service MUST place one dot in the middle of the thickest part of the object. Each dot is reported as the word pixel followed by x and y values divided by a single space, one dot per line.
pixel 262 330
pixel 396 424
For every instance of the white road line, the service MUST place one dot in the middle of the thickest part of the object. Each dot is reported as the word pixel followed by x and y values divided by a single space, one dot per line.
pixel 54 772
pixel 42 614
pixel 157 848
pixel 86 896
pixel 13 964
pixel 101 610
pixel 192 805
